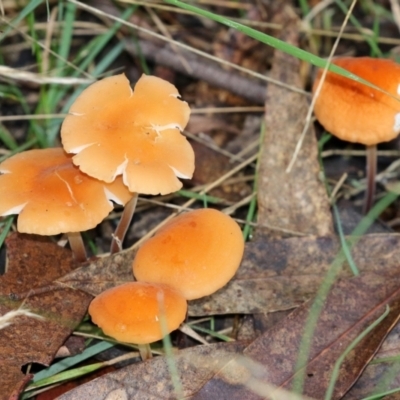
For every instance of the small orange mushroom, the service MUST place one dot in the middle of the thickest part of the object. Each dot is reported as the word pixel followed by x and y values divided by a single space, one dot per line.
pixel 196 253
pixel 138 312
pixel 114 130
pixel 358 113
pixel 52 196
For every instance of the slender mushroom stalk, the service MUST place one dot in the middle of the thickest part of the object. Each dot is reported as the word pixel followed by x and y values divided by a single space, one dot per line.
pixel 145 352
pixel 357 113
pixel 77 246
pixel 371 162
pixel 123 225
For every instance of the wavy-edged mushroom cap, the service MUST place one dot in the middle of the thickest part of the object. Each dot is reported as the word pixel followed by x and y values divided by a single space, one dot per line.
pixel 114 130
pixel 135 312
pixel 355 112
pixel 196 253
pixel 52 196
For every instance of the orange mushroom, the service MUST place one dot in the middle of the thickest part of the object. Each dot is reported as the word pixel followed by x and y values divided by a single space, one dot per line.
pixel 114 131
pixel 358 113
pixel 196 253
pixel 52 196
pixel 137 134
pixel 138 312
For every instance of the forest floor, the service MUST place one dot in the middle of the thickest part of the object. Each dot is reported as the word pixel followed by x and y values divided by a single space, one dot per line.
pixel 313 310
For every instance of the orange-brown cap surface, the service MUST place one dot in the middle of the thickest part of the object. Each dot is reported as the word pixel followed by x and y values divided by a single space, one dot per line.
pixel 52 196
pixel 196 253
pixel 355 112
pixel 114 130
pixel 136 312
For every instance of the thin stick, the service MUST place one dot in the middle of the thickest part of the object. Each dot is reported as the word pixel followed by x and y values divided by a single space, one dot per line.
pixel 77 246
pixel 371 174
pixel 124 222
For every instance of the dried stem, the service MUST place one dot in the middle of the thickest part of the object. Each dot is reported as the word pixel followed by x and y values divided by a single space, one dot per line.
pixel 124 222
pixel 371 174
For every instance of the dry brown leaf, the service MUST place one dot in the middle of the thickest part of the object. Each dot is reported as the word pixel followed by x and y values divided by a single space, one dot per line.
pixel 296 201
pixel 281 274
pixel 230 371
pixel 351 306
pixel 34 262
pixel 102 273
pixel 383 373
pixel 274 275
pixel 152 379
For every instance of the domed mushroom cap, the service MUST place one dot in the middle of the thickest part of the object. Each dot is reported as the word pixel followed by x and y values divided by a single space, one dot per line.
pixel 355 112
pixel 135 312
pixel 52 196
pixel 196 253
pixel 114 130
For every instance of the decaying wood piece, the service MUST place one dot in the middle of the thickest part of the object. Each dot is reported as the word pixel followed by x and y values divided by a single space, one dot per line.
pixel 297 200
pixel 209 71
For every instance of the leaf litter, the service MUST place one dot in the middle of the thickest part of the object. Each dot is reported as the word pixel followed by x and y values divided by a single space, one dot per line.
pixel 212 371
pixel 276 274
pixel 35 262
pixel 280 274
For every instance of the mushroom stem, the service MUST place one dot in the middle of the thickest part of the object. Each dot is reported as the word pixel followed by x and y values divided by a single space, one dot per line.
pixel 371 174
pixel 145 351
pixel 77 246
pixel 124 222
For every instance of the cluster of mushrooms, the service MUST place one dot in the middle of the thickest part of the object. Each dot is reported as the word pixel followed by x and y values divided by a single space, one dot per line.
pixel 117 143
pixel 192 256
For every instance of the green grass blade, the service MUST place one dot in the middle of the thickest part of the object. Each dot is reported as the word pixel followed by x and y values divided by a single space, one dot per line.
pixel 304 6
pixel 271 41
pixel 36 49
pixel 6 228
pixel 62 376
pixel 212 333
pixel 343 242
pixel 372 43
pixel 105 63
pixel 63 51
pixel 31 6
pixel 68 362
pixel 353 344
pixel 7 138
pixel 382 395
pixel 86 56
pixel 202 197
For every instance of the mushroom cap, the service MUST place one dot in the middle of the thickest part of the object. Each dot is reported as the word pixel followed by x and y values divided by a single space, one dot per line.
pixel 135 312
pixel 355 112
pixel 114 130
pixel 196 253
pixel 52 196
